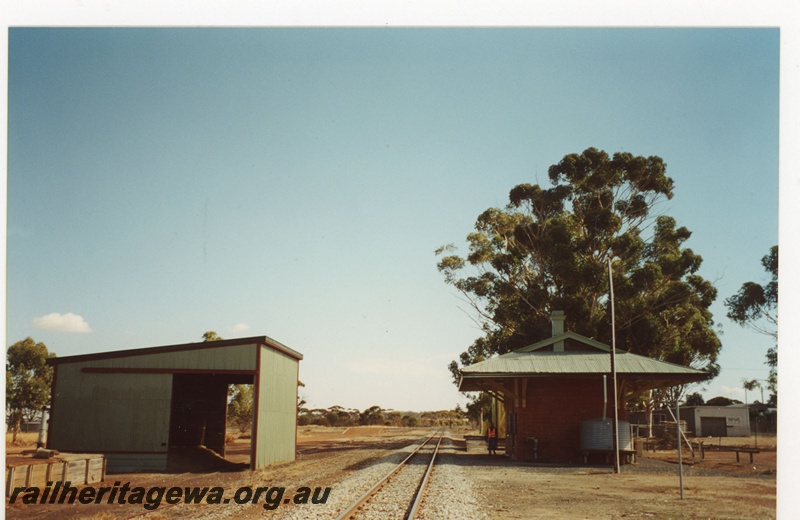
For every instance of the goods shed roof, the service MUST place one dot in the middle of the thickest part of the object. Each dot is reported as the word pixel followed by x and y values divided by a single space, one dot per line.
pixel 255 340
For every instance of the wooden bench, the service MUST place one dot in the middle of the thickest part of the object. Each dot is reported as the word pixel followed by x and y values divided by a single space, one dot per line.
pixel 751 451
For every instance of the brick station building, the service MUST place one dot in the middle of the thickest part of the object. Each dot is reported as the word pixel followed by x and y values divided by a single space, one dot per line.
pixel 549 388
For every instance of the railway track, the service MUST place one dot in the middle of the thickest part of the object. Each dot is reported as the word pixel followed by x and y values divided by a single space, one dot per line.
pixel 398 494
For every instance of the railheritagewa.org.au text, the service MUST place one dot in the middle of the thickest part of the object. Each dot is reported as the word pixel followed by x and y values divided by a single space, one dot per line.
pixel 152 498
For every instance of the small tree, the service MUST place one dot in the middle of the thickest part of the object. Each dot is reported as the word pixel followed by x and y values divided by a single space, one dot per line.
pixel 478 406
pixel 240 396
pixel 722 401
pixel 749 386
pixel 371 416
pixel 240 407
pixel 211 336
pixel 28 381
pixel 695 399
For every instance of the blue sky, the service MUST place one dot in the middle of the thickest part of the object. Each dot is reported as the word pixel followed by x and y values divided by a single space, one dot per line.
pixel 295 182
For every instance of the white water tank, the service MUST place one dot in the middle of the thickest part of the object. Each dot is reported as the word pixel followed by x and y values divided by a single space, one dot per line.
pixel 598 434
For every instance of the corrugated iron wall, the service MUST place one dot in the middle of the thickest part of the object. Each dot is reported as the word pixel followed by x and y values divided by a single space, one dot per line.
pixel 96 413
pixel 276 425
pixel 110 411
pixel 232 357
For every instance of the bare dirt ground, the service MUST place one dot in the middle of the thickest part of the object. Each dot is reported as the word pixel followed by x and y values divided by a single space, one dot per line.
pixel 718 455
pixel 716 487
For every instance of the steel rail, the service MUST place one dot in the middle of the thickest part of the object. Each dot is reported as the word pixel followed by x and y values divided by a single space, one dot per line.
pixel 350 511
pixel 418 498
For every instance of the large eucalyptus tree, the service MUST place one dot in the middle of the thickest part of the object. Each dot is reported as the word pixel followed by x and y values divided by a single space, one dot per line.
pixel 549 249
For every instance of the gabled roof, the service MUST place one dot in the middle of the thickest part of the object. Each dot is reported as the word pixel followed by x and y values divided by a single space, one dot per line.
pixel 564 336
pixel 257 340
pixel 543 363
pixel 537 361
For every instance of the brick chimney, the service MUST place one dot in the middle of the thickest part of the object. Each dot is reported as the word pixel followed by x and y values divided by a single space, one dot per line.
pixel 557 321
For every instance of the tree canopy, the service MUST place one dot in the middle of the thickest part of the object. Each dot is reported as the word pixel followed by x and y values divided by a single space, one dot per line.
pixel 210 335
pixel 756 306
pixel 375 415
pixel 28 381
pixel 695 399
pixel 548 249
pixel 722 401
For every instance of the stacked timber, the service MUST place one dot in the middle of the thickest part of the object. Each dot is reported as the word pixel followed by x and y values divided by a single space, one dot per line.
pixel 35 470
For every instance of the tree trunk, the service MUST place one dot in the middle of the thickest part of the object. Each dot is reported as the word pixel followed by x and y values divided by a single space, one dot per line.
pixel 17 427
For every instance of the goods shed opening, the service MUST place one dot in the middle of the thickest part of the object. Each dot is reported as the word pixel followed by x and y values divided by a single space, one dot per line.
pixel 198 423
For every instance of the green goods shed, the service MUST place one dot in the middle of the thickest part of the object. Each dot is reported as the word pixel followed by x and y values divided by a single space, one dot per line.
pixel 134 406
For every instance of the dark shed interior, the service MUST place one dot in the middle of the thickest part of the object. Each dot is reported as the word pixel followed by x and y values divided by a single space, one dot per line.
pixel 199 409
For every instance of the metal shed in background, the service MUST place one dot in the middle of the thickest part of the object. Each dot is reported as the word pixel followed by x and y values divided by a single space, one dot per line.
pixel 717 421
pixel 134 405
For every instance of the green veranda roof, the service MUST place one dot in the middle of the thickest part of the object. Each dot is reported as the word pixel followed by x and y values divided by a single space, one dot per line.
pixel 540 360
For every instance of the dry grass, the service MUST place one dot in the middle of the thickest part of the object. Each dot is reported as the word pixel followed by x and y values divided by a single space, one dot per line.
pixel 232 434
pixel 765 441
pixel 313 428
pixel 23 439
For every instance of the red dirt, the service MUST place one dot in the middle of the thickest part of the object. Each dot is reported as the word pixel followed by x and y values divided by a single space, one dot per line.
pixel 717 487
